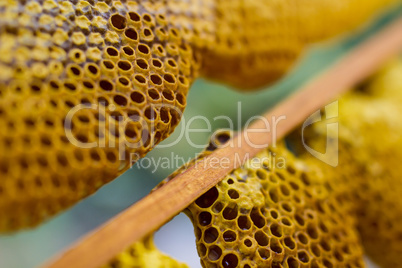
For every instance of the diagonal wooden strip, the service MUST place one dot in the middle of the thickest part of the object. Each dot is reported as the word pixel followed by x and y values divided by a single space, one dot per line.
pixel 157 208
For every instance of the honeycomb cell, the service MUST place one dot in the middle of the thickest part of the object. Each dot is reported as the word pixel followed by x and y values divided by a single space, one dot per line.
pixel 118 21
pixel 261 238
pixel 230 261
pixel 205 218
pixel 210 235
pixel 229 236
pixel 214 253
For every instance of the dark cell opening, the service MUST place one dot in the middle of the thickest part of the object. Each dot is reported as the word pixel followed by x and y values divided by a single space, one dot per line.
pixel 207 199
pixel 118 21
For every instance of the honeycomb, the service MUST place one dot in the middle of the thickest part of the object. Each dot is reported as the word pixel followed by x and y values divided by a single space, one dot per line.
pixel 380 213
pixel 114 74
pixel 143 254
pixel 370 153
pixel 380 205
pixel 275 215
pixel 88 87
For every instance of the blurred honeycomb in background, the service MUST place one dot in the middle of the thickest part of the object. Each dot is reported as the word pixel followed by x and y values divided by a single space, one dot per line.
pixel 255 43
pixel 370 145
